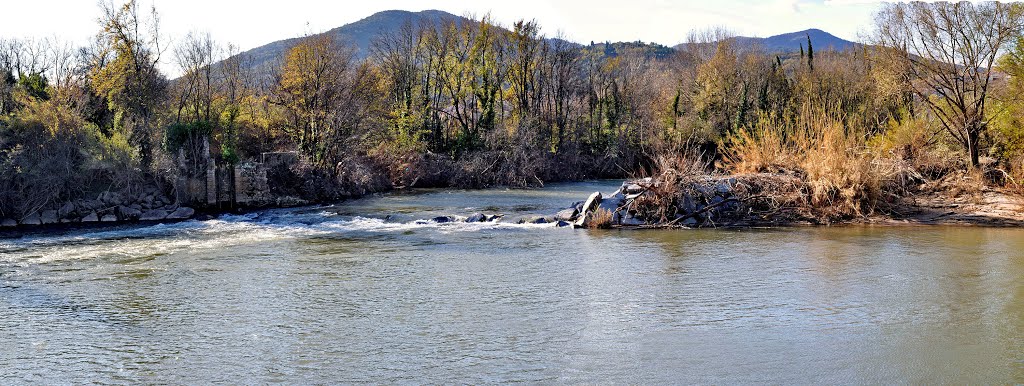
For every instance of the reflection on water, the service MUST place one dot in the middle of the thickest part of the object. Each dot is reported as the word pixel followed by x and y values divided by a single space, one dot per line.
pixel 363 291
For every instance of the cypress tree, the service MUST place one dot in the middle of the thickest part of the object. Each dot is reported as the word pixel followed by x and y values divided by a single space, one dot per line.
pixel 810 53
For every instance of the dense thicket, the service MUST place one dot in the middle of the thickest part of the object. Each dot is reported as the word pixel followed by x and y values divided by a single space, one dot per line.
pixel 475 103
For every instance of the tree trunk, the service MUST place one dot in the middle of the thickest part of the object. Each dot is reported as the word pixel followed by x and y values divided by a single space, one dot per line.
pixel 972 146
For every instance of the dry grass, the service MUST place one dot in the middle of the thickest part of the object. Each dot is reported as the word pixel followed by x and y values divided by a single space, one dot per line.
pixel 826 151
pixel 599 219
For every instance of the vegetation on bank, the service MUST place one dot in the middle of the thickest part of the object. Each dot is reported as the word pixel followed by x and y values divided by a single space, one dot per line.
pixel 935 96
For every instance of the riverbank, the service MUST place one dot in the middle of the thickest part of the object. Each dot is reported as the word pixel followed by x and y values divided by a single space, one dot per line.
pixel 696 201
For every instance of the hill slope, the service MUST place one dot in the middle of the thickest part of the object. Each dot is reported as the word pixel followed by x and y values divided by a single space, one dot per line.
pixel 791 42
pixel 361 33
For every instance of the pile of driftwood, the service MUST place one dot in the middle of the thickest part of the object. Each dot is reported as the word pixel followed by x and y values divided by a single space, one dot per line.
pixel 696 201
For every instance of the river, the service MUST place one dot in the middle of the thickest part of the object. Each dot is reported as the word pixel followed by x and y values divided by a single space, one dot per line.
pixel 363 292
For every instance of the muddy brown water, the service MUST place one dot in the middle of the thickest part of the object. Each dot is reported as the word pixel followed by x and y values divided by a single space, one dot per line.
pixel 364 292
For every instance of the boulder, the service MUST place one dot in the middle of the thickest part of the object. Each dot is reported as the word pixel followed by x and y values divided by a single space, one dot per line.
pixel 443 219
pixel 129 213
pixel 688 206
pixel 566 214
pixel 630 220
pixel 65 210
pixel 631 189
pixel 612 203
pixel 91 217
pixel 153 215
pixel 181 213
pixel 32 219
pixel 690 222
pixel 588 206
pixel 726 187
pixel 111 198
pixel 8 223
pixel 477 217
pixel 563 224
pixel 86 205
pixel 108 218
pixel 49 217
pixel 532 220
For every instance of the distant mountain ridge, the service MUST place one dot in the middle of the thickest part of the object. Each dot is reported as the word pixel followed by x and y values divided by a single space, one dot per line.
pixel 362 33
pixel 791 42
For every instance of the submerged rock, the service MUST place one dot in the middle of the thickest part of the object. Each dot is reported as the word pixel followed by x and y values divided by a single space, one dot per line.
pixel 534 220
pixel 443 219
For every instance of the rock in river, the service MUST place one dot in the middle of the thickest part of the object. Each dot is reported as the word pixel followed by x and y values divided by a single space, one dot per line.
pixel 588 206
pixel 153 215
pixel 181 213
pixel 443 219
pixel 129 213
pixel 566 214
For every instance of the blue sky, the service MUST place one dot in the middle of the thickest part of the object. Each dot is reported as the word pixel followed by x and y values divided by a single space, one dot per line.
pixel 252 23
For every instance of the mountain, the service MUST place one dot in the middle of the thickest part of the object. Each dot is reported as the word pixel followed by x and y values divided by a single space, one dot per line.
pixel 361 33
pixel 791 42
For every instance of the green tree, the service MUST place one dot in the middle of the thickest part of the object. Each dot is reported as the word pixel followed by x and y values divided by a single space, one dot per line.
pixel 128 78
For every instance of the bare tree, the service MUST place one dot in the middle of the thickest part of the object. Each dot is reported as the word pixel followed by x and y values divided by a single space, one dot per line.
pixel 948 50
pixel 195 57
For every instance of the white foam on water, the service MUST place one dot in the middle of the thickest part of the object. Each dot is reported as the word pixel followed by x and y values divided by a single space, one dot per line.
pixel 224 231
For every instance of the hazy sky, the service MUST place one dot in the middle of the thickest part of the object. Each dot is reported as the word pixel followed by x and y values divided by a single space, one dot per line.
pixel 253 23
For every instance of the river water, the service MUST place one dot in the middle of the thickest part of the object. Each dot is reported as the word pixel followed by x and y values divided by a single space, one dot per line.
pixel 347 294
